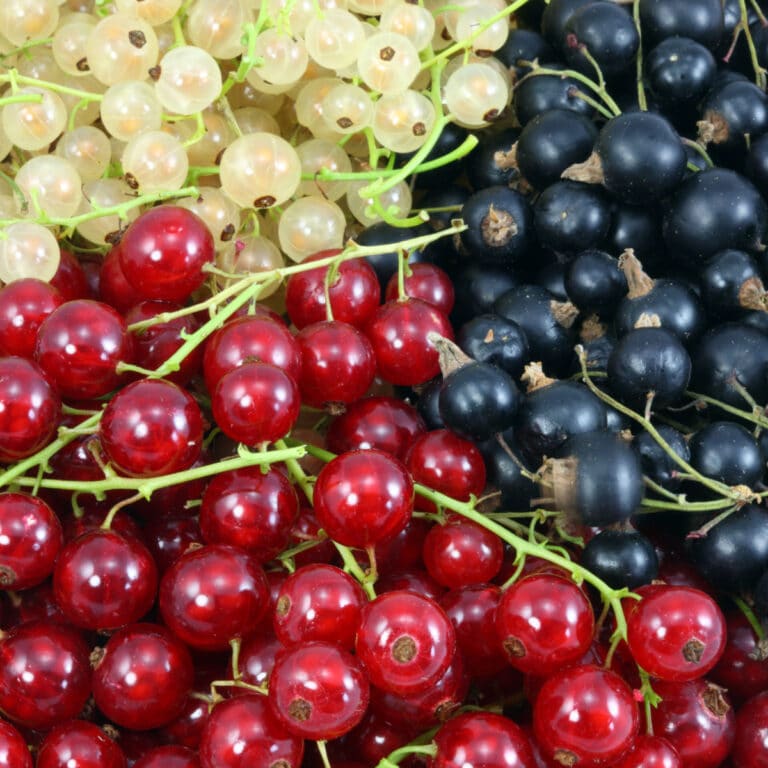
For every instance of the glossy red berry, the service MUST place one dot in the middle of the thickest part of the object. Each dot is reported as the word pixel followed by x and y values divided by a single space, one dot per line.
pixel 675 633
pixel 318 602
pixel 30 409
pixel 544 622
pixel 103 580
pixel 79 346
pixel 250 509
pixel 45 674
pixel 168 538
pixel 363 497
pixel 337 364
pixel 318 691
pixel 426 282
pixel 249 339
pixel 151 427
pixel 80 744
pixel 405 642
pixel 169 756
pixel 354 292
pixel 482 738
pixel 154 344
pixel 243 732
pixel 14 752
pixel 71 278
pixel 585 716
pixel 257 659
pixel 750 747
pixel 460 552
pixel 213 594
pixel 24 304
pixel 256 403
pixel 650 752
pixel 399 332
pixel 446 463
pixel 143 677
pixel 163 253
pixel 114 288
pixel 380 422
pixel 696 717
pixel 30 539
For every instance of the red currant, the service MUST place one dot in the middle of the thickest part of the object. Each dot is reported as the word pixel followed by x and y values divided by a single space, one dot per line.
pixel 543 623
pixel 163 253
pixel 151 427
pixel 244 733
pixel 80 744
pixel 426 282
pixel 337 364
pixel 24 304
pixel 170 756
pixel 14 752
pixel 675 633
pixel 318 602
pixel 30 539
pixel 405 641
pixel 650 752
pixel 212 595
pixel 114 288
pixel 363 497
pixel 71 279
pixel 318 691
pixel 250 509
pixel 79 346
pixel 256 403
pixel 30 409
pixel 143 677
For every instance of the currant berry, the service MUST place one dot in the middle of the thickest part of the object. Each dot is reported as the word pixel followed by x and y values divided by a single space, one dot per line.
pixel 244 732
pixel 544 622
pixel 318 691
pixel 14 752
pixel 213 594
pixel 650 752
pixel 256 403
pixel 363 497
pixel 250 509
pixel 675 633
pixel 163 252
pixel 79 346
pixel 30 539
pixel 426 282
pixel 45 675
pixel 585 716
pixel 82 744
pixel 318 602
pixel 482 738
pixel 30 409
pixel 151 427
pixel 405 641
pixel 24 304
pixel 103 580
pixel 169 756
pixel 143 677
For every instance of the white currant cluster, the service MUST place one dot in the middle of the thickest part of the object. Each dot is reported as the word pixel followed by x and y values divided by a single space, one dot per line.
pixel 282 113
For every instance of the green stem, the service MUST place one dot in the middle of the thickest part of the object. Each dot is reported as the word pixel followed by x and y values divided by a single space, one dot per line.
pixel 641 100
pixel 393 759
pixel 749 615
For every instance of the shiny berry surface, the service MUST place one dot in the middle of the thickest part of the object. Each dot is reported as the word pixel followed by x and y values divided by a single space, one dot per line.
pixel 151 427
pixel 318 691
pixel 405 642
pixel 543 623
pixel 30 539
pixel 676 633
pixel 426 282
pixel 650 752
pixel 482 738
pixel 585 716
pixel 103 580
pixel 250 509
pixel 79 346
pixel 14 752
pixel 399 332
pixel 212 595
pixel 45 675
pixel 143 677
pixel 337 364
pixel 318 602
pixel 24 304
pixel 363 497
pixel 256 403
pixel 30 408
pixel 163 253
pixel 170 756
pixel 81 744
pixel 244 732
pixel 354 293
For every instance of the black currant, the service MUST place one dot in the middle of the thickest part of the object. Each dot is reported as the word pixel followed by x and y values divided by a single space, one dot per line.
pixel 621 558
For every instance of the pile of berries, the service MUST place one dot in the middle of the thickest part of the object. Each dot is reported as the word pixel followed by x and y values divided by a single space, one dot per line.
pixel 383 383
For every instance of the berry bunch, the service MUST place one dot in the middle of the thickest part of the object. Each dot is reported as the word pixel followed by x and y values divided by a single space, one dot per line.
pixel 383 383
